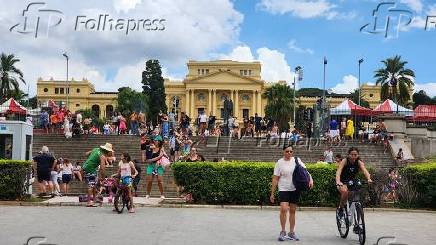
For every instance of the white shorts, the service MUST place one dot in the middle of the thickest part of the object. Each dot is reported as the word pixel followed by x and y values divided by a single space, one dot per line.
pixel 334 133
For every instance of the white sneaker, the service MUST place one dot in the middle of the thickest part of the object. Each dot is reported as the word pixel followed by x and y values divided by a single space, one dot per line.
pixel 162 197
pixel 147 196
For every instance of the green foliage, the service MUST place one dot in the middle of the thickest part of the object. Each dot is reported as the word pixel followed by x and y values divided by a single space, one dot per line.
pixel 154 89
pixel 422 177
pixel 395 80
pixel 280 102
pixel 421 98
pixel 354 96
pixel 310 92
pixel 248 183
pixel 129 101
pixel 13 175
pixel 10 76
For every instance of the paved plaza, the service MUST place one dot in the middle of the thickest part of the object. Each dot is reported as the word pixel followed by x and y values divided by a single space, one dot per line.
pixel 188 226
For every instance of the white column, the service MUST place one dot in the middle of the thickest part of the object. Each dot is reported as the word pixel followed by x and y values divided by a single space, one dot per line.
pixel 236 104
pixel 187 102
pixel 192 109
pixel 253 104
pixel 214 104
pixel 260 111
pixel 209 102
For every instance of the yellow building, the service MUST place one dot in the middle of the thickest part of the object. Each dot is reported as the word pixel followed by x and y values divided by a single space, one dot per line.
pixel 79 94
pixel 207 84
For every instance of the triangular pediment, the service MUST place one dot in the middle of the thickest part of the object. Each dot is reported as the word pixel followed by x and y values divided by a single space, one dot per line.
pixel 224 77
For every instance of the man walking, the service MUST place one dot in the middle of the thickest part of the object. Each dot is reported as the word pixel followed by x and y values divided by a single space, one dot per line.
pixel 97 157
pixel 42 165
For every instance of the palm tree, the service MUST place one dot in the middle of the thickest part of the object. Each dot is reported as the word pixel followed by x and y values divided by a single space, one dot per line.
pixel 9 76
pixel 279 104
pixel 395 79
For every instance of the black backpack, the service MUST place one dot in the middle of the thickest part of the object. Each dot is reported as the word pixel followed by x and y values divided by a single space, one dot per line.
pixel 300 177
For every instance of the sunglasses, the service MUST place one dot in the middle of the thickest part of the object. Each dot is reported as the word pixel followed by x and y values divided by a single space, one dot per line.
pixel 289 151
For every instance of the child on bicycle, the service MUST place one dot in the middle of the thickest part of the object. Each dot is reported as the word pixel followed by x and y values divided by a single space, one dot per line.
pixel 347 171
pixel 125 169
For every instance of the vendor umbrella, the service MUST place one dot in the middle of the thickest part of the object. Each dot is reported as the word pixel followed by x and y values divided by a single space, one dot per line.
pixel 12 106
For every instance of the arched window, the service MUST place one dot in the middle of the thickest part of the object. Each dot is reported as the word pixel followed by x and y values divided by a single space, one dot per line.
pixel 109 111
pixel 96 110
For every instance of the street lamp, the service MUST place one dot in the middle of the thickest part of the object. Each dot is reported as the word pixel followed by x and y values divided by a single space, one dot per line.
pixel 299 73
pixel 323 98
pixel 68 84
pixel 360 62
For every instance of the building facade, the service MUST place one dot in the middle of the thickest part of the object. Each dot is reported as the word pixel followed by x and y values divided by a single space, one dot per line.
pixel 76 95
pixel 208 84
pixel 205 87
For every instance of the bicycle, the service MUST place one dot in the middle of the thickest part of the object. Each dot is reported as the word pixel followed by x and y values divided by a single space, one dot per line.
pixel 352 214
pixel 121 198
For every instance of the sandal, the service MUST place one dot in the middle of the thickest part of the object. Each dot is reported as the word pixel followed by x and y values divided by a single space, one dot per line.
pixel 91 205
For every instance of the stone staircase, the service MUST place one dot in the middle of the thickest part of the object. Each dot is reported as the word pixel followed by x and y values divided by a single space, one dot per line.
pixel 261 149
pixel 247 149
pixel 74 150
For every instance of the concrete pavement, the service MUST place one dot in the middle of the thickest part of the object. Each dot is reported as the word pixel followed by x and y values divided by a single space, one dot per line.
pixel 80 225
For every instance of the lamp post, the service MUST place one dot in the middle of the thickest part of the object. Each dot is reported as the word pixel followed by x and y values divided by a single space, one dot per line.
pixel 360 62
pixel 323 97
pixel 299 73
pixel 68 84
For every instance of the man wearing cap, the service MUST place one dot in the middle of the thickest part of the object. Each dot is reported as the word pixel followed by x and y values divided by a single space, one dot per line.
pixel 96 157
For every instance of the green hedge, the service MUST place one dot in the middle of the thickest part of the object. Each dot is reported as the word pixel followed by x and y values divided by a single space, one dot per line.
pixel 248 183
pixel 418 187
pixel 13 175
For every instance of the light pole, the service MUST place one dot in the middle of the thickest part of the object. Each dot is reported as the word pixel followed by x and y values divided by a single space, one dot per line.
pixel 68 84
pixel 360 62
pixel 299 73
pixel 323 98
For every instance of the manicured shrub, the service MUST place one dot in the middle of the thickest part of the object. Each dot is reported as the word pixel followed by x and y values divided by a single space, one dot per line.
pixel 248 183
pixel 419 185
pixel 13 175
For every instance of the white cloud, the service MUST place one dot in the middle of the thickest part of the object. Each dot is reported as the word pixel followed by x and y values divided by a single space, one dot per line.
pixel 292 45
pixel 193 29
pixel 305 9
pixel 348 85
pixel 420 20
pixel 416 5
pixel 274 64
pixel 429 88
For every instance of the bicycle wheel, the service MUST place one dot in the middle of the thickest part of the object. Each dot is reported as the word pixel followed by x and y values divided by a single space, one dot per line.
pixel 360 224
pixel 126 200
pixel 342 223
pixel 119 202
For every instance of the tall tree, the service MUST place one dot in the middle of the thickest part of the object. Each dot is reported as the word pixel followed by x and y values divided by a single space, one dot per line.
pixel 354 96
pixel 421 98
pixel 395 80
pixel 153 88
pixel 9 76
pixel 129 101
pixel 279 105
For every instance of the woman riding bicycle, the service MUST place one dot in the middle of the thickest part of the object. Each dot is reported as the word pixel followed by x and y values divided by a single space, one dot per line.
pixel 347 171
pixel 125 169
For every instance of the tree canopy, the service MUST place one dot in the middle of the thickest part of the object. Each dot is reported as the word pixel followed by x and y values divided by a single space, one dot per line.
pixel 130 100
pixel 280 104
pixel 153 88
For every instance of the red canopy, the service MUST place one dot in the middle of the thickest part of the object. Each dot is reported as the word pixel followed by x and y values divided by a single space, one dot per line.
pixel 348 107
pixel 389 107
pixel 12 106
pixel 425 113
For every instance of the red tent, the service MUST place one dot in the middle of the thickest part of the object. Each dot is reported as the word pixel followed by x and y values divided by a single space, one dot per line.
pixel 425 113
pixel 389 107
pixel 12 106
pixel 348 107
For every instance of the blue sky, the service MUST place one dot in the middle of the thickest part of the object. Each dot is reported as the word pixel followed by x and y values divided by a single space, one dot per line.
pixel 280 33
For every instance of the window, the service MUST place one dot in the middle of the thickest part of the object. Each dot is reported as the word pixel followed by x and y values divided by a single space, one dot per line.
pixel 371 95
pixel 198 71
pixel 249 72
pixel 245 113
pixel 245 98
pixel 207 71
pixel 28 142
pixel 241 72
pixel 202 71
pixel 78 90
pixel 201 97
pixel 45 90
pixel 56 90
pixel 77 105
pixel 68 90
pixel 62 91
pixel 6 143
pixel 200 110
pixel 245 72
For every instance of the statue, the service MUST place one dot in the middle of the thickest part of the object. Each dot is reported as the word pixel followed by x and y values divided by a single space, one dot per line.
pixel 228 110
